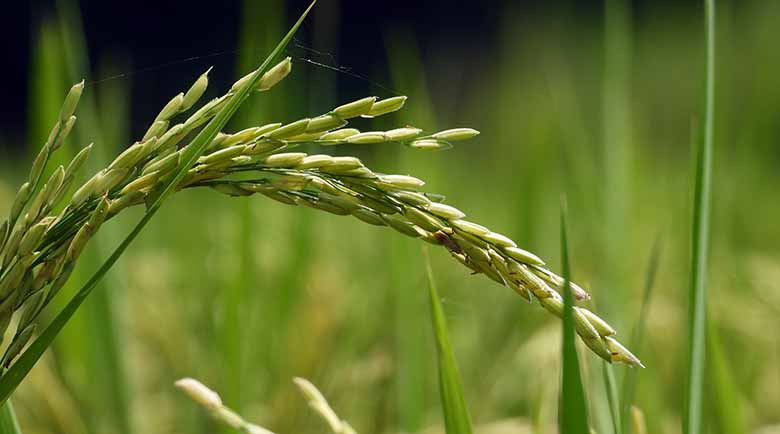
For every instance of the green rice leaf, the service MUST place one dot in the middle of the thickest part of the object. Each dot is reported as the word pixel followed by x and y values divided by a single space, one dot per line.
pixel 11 379
pixel 456 414
pixel 573 410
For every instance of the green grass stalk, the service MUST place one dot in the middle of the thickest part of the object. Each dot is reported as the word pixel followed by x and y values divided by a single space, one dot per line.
pixel 407 74
pixel 573 411
pixel 97 327
pixel 456 414
pixel 701 241
pixel 617 148
pixel 616 180
pixel 725 398
pixel 259 30
pixel 613 398
pixel 409 339
pixel 8 422
pixel 631 377
pixel 44 93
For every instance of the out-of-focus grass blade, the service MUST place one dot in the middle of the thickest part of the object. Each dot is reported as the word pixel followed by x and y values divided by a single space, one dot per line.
pixel 542 409
pixel 262 24
pixel 45 90
pixel 638 334
pixel 409 318
pixel 456 414
pixel 610 385
pixel 105 122
pixel 19 370
pixel 44 98
pixel 109 388
pixel 261 27
pixel 407 73
pixel 573 411
pixel 700 242
pixel 8 422
pixel 618 149
pixel 76 62
pixel 638 424
pixel 725 397
pixel 617 140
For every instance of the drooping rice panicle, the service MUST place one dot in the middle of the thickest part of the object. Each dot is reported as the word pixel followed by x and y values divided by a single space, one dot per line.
pixel 40 247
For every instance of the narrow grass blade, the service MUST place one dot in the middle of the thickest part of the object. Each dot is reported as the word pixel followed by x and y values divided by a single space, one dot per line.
pixel 8 422
pixel 262 25
pixel 410 316
pixel 542 410
pixel 638 334
pixel 46 84
pixel 573 411
pixel 618 149
pixel 456 414
pixel 610 385
pixel 106 339
pixel 408 73
pixel 19 370
pixel 700 243
pixel 103 117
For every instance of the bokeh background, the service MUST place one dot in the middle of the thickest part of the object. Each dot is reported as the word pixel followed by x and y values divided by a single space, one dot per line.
pixel 595 100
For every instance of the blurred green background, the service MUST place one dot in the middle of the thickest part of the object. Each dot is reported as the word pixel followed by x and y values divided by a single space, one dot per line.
pixel 599 103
